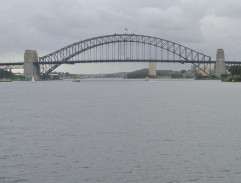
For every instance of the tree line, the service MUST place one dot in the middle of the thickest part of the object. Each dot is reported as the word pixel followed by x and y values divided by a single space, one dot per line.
pixel 159 73
pixel 8 75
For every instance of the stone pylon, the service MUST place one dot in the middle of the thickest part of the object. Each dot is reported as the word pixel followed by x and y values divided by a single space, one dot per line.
pixel 152 68
pixel 220 63
pixel 30 69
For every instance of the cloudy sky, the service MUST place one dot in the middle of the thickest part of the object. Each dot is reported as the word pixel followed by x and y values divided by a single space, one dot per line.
pixel 47 25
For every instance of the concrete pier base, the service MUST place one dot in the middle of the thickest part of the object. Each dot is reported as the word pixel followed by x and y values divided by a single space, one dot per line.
pixel 152 68
pixel 220 63
pixel 30 69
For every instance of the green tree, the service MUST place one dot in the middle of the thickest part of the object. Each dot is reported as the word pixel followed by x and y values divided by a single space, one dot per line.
pixel 176 75
pixel 163 73
pixel 200 77
pixel 5 74
pixel 224 75
pixel 138 74
pixel 9 75
pixel 235 70
pixel 215 77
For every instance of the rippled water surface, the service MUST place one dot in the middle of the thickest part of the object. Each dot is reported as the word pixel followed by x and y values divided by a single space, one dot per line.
pixel 162 131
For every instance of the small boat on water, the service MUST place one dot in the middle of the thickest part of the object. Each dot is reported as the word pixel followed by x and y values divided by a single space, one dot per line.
pixel 147 79
pixel 5 80
pixel 76 80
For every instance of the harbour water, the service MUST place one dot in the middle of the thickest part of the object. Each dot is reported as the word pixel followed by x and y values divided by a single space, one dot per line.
pixel 161 131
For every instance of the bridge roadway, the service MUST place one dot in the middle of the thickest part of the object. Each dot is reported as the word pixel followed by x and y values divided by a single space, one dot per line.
pixel 8 64
pixel 12 65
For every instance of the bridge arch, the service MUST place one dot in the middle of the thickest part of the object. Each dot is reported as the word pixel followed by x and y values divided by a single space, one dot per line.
pixel 122 48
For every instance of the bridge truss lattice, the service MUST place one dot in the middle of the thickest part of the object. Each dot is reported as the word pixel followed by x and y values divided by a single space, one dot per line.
pixel 122 48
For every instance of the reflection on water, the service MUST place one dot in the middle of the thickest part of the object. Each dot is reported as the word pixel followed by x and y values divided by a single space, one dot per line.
pixel 170 131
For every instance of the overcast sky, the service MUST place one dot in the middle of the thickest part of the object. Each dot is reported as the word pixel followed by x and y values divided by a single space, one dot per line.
pixel 47 25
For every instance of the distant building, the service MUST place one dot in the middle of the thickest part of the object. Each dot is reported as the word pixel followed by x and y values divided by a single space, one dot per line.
pixel 207 71
pixel 189 74
pixel 193 68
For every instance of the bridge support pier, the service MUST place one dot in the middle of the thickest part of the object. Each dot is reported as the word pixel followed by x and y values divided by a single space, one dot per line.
pixel 152 68
pixel 220 63
pixel 30 69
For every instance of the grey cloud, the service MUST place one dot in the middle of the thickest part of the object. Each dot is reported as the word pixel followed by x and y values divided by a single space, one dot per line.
pixel 47 25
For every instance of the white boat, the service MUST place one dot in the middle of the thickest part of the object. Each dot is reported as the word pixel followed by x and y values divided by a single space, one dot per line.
pixel 5 80
pixel 76 80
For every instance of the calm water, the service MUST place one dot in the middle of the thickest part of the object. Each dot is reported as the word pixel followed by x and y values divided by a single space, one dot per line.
pixel 112 131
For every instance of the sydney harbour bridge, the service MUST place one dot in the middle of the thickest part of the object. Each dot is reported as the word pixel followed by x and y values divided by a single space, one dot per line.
pixel 118 48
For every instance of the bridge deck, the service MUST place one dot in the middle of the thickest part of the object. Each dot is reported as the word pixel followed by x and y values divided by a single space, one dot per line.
pixel 123 60
pixel 11 63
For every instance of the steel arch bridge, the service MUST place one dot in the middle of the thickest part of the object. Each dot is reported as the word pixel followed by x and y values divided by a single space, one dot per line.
pixel 122 48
